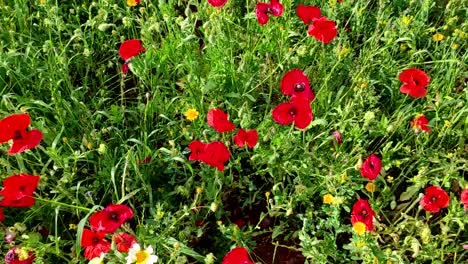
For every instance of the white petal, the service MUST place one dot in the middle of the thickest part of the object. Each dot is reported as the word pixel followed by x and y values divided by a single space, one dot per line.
pixel 149 249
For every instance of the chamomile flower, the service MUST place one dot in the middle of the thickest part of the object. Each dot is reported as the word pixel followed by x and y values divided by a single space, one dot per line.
pixel 138 256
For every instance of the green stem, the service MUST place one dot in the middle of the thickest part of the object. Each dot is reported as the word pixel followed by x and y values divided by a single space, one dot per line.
pixel 63 204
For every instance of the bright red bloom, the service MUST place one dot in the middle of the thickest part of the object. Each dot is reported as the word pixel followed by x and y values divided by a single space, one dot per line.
pixel 17 256
pixel 2 215
pixel 217 3
pixel 238 255
pixel 464 197
pixel 218 119
pixel 362 212
pixel 297 110
pixel 414 82
pixel 296 83
pixel 197 148
pixel 371 167
pixel 110 218
pixel 130 48
pixel 215 154
pixel 434 199
pixel 14 128
pixel 95 243
pixel 262 10
pixel 250 137
pixel 419 123
pixel 308 13
pixel 124 241
pixel 18 191
pixel 323 30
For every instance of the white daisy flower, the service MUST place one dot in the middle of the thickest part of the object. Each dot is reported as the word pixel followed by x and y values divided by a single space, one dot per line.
pixel 138 256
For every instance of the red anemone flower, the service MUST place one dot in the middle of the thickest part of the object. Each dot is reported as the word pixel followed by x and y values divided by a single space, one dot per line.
pixel 308 13
pixel 19 256
pixel 215 154
pixel 18 191
pixel 14 127
pixel 262 10
pixel 371 167
pixel 218 119
pixel 434 199
pixel 297 110
pixel 362 212
pixel 296 83
pixel 323 30
pixel 217 3
pixel 124 241
pixel 414 82
pixel 95 243
pixel 196 149
pixel 110 218
pixel 250 137
pixel 238 255
pixel 419 123
pixel 130 48
pixel 464 198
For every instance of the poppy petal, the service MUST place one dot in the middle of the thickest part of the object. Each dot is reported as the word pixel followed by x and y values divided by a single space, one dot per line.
pixel 11 124
pixel 276 8
pixel 130 48
pixel 281 114
pixel 30 141
pixel 323 30
pixel 217 3
pixel 304 112
pixel 261 12
pixel 237 256
pixel 308 13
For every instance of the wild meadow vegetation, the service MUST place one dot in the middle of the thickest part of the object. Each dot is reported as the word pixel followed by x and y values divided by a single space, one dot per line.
pixel 175 131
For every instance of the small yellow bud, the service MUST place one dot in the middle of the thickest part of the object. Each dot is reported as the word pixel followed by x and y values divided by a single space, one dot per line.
pixel 370 187
pixel 328 198
pixel 359 228
pixel 267 194
pixel 438 37
pixel 199 190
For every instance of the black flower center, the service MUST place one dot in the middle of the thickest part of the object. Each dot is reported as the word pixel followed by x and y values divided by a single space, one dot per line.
pixel 433 199
pixel 95 240
pixel 268 10
pixel 293 111
pixel 416 81
pixel 364 213
pixel 114 216
pixel 299 87
pixel 22 188
pixel 371 165
pixel 18 135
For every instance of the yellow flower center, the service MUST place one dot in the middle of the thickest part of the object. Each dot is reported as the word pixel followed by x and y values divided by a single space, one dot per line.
pixel 141 257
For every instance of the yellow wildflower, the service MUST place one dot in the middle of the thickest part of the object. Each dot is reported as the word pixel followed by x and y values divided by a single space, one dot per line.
pixel 360 244
pixel 438 37
pixel 407 19
pixel 390 179
pixel 219 222
pixel 359 228
pixel 267 194
pixel 328 198
pixel 133 2
pixel 454 46
pixel 191 114
pixel 23 109
pixel 370 187
pixel 447 124
pixel 199 190
pixel 290 49
pixel 72 226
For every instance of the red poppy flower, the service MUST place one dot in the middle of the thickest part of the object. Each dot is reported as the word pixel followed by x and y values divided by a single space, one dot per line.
pixel 419 123
pixel 434 199
pixel 263 10
pixel 238 255
pixel 464 197
pixel 362 212
pixel 14 128
pixel 371 167
pixel 130 48
pixel 219 120
pixel 19 256
pixel 95 243
pixel 297 110
pixel 2 215
pixel 110 218
pixel 323 30
pixel 215 154
pixel 196 149
pixel 308 13
pixel 18 191
pixel 296 83
pixel 124 241
pixel 217 3
pixel 414 82
pixel 250 137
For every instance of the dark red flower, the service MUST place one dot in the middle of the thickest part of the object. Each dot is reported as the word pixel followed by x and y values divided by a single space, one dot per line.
pixel 419 123
pixel 94 243
pixel 297 110
pixel 219 120
pixel 238 255
pixel 145 160
pixel 250 137
pixel 337 136
pixel 125 68
pixel 110 218
pixel 215 154
pixel 414 82
pixel 14 127
pixel 19 256
pixel 434 199
pixel 124 241
pixel 18 191
pixel 263 10
pixel 464 197
pixel 296 83
pixel 323 30
pixel 362 212
pixel 196 149
pixel 308 13
pixel 2 215
pixel 130 48
pixel 217 3
pixel 371 167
